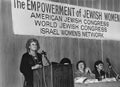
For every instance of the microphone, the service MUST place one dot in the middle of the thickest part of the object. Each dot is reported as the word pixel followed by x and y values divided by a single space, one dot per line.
pixel 43 52
pixel 112 72
pixel 45 56
pixel 108 61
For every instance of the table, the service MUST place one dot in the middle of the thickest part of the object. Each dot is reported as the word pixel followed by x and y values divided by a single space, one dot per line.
pixel 99 84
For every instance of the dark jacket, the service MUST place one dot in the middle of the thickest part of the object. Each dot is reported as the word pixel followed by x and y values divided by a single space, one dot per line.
pixel 26 66
pixel 99 75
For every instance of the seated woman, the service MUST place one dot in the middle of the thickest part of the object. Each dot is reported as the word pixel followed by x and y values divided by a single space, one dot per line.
pixel 83 71
pixel 98 70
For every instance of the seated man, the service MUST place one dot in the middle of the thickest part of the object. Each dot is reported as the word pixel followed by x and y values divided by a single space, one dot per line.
pixel 98 70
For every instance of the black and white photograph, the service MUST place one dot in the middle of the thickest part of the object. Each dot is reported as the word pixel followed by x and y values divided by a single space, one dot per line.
pixel 59 43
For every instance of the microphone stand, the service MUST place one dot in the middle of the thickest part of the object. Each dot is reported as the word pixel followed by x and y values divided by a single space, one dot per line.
pixel 44 77
pixel 117 76
pixel 112 72
pixel 45 56
pixel 47 59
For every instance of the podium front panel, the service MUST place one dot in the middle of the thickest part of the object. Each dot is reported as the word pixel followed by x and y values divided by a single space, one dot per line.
pixel 54 76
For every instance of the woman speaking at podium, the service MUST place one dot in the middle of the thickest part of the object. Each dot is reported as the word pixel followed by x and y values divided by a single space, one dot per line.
pixel 30 60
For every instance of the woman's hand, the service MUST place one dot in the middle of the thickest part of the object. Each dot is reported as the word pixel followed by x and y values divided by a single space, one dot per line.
pixel 36 66
pixel 87 70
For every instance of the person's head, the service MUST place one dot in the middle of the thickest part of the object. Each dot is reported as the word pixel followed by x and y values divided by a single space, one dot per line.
pixel 98 65
pixel 65 61
pixel 81 65
pixel 32 44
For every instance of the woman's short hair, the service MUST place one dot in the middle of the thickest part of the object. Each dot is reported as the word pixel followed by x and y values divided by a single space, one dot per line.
pixel 30 41
pixel 81 61
pixel 97 63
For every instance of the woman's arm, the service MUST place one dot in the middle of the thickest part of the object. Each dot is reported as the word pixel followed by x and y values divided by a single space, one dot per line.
pixel 37 66
pixel 88 70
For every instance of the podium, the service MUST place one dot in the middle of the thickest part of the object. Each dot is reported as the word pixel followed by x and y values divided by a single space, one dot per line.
pixel 56 75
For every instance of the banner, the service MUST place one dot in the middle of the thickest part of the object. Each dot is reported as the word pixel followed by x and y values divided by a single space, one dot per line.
pixel 52 19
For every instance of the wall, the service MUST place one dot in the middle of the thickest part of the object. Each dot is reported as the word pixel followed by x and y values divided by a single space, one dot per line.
pixel 13 46
pixel 0 47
